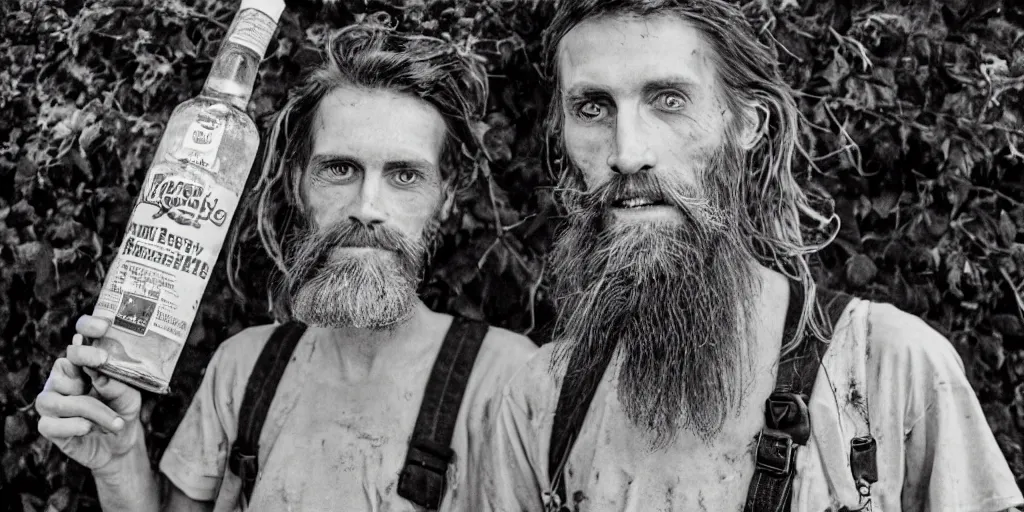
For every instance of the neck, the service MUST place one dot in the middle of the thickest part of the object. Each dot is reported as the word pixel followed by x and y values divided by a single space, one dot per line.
pixel 772 296
pixel 772 290
pixel 768 321
pixel 367 352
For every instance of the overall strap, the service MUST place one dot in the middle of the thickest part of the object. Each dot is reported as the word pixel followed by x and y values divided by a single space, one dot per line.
pixel 787 421
pixel 424 478
pixel 259 393
pixel 579 385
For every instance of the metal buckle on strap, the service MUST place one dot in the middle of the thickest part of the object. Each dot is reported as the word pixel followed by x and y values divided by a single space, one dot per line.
pixel 424 478
pixel 787 425
pixel 775 451
pixel 787 412
pixel 553 502
pixel 243 465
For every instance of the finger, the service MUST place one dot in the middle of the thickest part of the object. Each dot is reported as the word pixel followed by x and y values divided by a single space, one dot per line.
pixel 63 428
pixel 87 356
pixel 122 398
pixel 77 340
pixel 54 405
pixel 91 326
pixel 65 379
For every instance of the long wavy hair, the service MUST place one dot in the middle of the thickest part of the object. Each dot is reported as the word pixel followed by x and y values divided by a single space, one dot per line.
pixel 366 55
pixel 748 70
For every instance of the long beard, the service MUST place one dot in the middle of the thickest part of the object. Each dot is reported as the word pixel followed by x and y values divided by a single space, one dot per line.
pixel 673 299
pixel 332 288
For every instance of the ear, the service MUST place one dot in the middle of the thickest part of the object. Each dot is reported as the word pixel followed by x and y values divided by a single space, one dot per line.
pixel 753 124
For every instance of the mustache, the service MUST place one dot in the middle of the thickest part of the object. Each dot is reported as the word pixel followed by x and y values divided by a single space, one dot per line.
pixel 355 234
pixel 315 248
pixel 699 205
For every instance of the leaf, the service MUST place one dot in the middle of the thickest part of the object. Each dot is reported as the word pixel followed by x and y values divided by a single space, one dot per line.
pixel 885 204
pixel 30 502
pixel 992 351
pixel 497 142
pixel 16 429
pixel 837 70
pixel 25 175
pixel 12 464
pixel 860 270
pixel 1007 325
pixel 181 43
pixel 936 224
pixel 59 500
pixel 46 280
pixel 1007 229
pixel 89 135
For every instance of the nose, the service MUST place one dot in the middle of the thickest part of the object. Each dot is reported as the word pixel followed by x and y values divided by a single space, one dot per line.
pixel 632 152
pixel 366 209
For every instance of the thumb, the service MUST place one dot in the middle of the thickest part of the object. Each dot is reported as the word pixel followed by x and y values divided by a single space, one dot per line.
pixel 123 399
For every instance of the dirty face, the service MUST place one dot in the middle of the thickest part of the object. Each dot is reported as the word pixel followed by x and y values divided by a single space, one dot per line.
pixel 375 161
pixel 641 96
pixel 372 189
pixel 652 263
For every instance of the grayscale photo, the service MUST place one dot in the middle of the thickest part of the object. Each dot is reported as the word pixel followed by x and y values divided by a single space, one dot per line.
pixel 512 255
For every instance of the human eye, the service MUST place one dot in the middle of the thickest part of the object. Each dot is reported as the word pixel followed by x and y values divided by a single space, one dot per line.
pixel 670 101
pixel 590 110
pixel 340 171
pixel 406 177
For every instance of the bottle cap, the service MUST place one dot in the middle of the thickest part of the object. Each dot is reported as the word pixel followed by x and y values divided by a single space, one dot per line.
pixel 255 24
pixel 272 8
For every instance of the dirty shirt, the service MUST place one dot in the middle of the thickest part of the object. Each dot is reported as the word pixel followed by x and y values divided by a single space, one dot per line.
pixel 887 374
pixel 317 451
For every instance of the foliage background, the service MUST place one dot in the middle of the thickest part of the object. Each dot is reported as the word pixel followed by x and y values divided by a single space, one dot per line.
pixel 916 133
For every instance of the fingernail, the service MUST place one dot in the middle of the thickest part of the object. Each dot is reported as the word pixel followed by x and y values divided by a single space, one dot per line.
pixel 118 424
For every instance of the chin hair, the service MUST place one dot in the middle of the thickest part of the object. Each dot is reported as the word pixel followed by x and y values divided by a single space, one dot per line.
pixel 671 302
pixel 374 291
pixel 352 293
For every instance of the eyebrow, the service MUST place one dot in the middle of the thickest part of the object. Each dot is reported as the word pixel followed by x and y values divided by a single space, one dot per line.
pixel 415 163
pixel 321 159
pixel 678 83
pixel 589 90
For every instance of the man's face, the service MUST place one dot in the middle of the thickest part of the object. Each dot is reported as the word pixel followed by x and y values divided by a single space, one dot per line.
pixel 372 188
pixel 652 264
pixel 640 95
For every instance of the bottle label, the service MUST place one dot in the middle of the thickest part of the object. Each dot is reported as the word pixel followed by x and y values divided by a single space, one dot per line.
pixel 202 142
pixel 168 253
pixel 253 29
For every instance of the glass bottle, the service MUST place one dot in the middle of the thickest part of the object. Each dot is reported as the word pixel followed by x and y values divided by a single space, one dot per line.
pixel 153 289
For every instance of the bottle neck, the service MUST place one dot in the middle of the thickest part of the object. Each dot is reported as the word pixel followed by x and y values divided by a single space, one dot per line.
pixel 233 75
pixel 234 71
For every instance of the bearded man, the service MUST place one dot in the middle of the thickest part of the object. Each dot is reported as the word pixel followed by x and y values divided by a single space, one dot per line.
pixel 354 176
pixel 689 327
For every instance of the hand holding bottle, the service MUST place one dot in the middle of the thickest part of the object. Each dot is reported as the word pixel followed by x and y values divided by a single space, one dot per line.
pixel 92 418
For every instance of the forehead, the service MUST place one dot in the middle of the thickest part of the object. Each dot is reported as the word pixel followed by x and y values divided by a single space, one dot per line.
pixel 378 125
pixel 627 51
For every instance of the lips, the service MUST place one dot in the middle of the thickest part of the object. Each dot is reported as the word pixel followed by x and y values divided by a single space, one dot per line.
pixel 637 202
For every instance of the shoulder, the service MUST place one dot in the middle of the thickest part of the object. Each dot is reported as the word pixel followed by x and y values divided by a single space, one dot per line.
pixel 510 346
pixel 896 337
pixel 536 383
pixel 232 363
pixel 239 352
pixel 502 353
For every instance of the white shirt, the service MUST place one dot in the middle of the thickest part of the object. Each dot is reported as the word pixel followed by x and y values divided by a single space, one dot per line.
pixel 326 445
pixel 935 450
